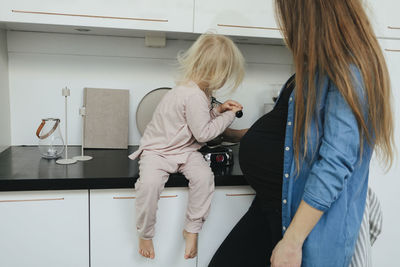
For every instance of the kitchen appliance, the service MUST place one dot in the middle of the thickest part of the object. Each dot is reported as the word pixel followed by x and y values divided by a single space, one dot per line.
pixel 51 143
pixel 219 156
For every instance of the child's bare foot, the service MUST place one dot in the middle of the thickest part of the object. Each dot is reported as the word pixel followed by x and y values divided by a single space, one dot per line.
pixel 191 244
pixel 146 248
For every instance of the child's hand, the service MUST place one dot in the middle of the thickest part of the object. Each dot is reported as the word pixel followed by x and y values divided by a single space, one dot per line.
pixel 229 105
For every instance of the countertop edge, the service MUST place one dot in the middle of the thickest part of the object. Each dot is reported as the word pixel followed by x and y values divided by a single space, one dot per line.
pixel 22 170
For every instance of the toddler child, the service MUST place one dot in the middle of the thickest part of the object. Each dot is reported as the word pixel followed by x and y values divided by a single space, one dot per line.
pixel 182 122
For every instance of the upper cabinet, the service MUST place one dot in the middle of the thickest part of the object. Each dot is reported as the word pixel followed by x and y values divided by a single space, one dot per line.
pixel 384 17
pixel 236 17
pixel 255 18
pixel 157 15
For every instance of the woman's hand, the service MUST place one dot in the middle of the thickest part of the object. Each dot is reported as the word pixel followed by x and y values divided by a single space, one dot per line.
pixel 287 253
pixel 229 105
pixel 234 136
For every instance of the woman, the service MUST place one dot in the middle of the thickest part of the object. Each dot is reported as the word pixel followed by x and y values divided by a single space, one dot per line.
pixel 308 159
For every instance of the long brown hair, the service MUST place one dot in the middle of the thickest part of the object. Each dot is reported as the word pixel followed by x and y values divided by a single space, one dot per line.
pixel 327 36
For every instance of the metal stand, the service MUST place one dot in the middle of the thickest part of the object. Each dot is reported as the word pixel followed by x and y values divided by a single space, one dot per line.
pixel 82 112
pixel 66 160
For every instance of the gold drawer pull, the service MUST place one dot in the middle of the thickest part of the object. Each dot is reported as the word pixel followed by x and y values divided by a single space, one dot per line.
pixel 85 16
pixel 393 28
pixel 240 195
pixel 392 50
pixel 247 27
pixel 32 200
pixel 172 196
pixel 124 197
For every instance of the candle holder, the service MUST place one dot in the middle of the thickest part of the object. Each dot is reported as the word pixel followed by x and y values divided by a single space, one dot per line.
pixel 82 157
pixel 66 160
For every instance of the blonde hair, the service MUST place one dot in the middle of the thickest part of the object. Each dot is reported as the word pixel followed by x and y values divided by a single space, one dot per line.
pixel 212 61
pixel 328 36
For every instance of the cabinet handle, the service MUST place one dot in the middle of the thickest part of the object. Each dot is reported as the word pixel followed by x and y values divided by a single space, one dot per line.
pixel 393 28
pixel 247 27
pixel 172 196
pixel 32 200
pixel 392 50
pixel 240 195
pixel 85 16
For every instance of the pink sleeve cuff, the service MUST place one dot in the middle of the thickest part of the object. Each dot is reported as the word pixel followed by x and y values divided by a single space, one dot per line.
pixel 215 113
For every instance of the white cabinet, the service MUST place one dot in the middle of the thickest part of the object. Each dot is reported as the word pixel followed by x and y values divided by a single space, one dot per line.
pixel 236 17
pixel 161 15
pixel 228 206
pixel 61 228
pixel 114 240
pixel 384 15
pixel 44 228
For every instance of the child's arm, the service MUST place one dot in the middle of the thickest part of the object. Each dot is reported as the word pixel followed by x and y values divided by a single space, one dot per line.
pixel 203 126
pixel 227 105
pixel 214 112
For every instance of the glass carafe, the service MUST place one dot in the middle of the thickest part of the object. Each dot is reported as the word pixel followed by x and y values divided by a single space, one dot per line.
pixel 51 143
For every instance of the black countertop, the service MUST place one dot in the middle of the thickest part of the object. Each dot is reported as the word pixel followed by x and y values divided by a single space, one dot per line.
pixel 22 168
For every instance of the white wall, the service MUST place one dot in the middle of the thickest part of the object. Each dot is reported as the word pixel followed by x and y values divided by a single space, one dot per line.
pixel 41 64
pixel 387 184
pixel 5 138
pixel 385 251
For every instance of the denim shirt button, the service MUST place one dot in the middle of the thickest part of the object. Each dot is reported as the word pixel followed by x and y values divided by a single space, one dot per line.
pixel 291 99
pixel 284 201
pixel 289 123
pixel 284 228
pixel 286 175
pixel 287 148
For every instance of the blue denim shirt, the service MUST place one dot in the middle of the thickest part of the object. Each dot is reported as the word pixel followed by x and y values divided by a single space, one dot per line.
pixel 332 180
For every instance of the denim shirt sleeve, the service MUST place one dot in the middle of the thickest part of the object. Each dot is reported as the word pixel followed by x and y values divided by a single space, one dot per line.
pixel 338 153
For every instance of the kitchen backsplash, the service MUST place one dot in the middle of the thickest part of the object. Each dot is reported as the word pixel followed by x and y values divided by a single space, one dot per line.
pixel 41 64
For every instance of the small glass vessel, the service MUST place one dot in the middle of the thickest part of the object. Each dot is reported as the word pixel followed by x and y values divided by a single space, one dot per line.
pixel 51 143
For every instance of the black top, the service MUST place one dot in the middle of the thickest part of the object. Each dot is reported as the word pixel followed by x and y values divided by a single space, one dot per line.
pixel 22 168
pixel 261 151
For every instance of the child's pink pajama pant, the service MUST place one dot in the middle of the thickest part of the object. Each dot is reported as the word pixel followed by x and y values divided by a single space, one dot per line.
pixel 154 171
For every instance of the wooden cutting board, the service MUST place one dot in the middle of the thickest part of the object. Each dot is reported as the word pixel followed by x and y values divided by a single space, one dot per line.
pixel 107 118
